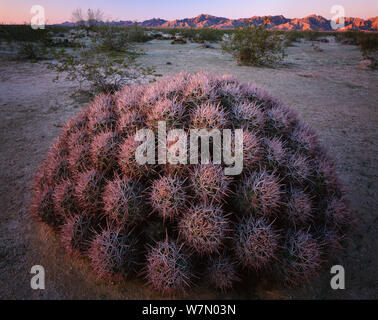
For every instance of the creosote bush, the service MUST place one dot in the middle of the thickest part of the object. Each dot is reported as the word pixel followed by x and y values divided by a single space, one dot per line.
pixel 255 45
pixel 105 67
pixel 177 224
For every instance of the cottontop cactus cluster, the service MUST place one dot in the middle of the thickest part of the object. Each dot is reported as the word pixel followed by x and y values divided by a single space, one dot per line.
pixel 174 224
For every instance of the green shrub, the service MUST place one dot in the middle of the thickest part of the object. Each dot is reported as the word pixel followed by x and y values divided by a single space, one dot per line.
pixel 137 34
pixel 30 51
pixel 368 43
pixel 205 34
pixel 293 36
pixel 253 45
pixel 188 33
pixel 212 35
pixel 116 38
pixel 104 71
pixel 33 51
pixel 311 35
pixel 21 33
pixel 347 37
pixel 26 33
pixel 113 38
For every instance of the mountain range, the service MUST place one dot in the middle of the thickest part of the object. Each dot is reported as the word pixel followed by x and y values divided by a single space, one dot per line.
pixel 311 22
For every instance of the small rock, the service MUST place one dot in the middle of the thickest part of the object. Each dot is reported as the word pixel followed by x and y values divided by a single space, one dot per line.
pixel 367 64
pixel 178 41
pixel 206 46
pixel 317 48
pixel 349 41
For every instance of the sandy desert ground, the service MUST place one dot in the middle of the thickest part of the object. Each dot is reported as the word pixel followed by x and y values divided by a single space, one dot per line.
pixel 327 89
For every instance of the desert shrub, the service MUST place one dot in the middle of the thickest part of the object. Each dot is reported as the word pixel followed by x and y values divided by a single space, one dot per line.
pixel 31 51
pixel 31 44
pixel 282 216
pixel 113 38
pixel 255 45
pixel 172 31
pixel 120 39
pixel 311 35
pixel 89 20
pixel 347 37
pixel 104 71
pixel 197 35
pixel 211 35
pixel 22 33
pixel 137 34
pixel 292 37
pixel 188 33
pixel 368 42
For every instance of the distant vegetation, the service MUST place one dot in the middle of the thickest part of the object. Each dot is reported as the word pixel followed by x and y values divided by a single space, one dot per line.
pixel 89 20
pixel 253 45
pixel 195 35
pixel 24 32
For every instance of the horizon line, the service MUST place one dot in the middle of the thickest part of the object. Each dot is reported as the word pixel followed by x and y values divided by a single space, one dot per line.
pixel 201 14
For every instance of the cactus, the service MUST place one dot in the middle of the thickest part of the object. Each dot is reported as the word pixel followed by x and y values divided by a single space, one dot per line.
pixel 209 116
pixel 284 213
pixel 203 228
pixel 104 151
pixel 123 203
pixel 42 207
pixel 275 153
pixel 167 268
pixel 222 273
pixel 168 197
pixel 113 252
pixel 65 200
pixel 248 115
pixel 299 208
pixel 89 189
pixel 302 257
pixel 256 243
pixel 209 183
pixel 77 233
pixel 261 193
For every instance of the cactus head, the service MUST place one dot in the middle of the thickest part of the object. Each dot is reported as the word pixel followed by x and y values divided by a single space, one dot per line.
pixel 113 252
pixel 167 268
pixel 222 273
pixel 168 197
pixel 203 228
pixel 256 243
